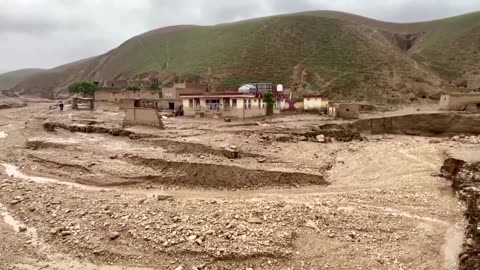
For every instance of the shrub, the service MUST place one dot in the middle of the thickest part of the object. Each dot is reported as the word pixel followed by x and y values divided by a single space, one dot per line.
pixel 86 88
pixel 133 88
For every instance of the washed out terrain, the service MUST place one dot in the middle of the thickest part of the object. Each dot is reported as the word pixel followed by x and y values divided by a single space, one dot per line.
pixel 79 192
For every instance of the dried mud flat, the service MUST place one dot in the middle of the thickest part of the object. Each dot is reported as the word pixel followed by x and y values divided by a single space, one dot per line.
pixel 173 199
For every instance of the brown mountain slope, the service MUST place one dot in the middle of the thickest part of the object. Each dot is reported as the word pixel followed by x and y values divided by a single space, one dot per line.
pixel 12 78
pixel 347 56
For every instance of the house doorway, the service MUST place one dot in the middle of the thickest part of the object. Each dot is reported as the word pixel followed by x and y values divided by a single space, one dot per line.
pixel 171 106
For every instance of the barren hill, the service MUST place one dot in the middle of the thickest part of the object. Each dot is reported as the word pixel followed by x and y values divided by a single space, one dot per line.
pixel 346 56
pixel 12 78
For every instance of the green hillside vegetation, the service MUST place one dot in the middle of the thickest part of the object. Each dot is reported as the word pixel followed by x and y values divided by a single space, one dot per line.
pixel 10 79
pixel 346 56
pixel 452 48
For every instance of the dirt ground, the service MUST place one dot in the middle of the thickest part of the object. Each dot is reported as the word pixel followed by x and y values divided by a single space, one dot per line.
pixel 175 200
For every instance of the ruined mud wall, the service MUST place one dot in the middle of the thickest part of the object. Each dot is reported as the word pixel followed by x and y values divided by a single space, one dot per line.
pixel 51 126
pixel 420 124
pixel 465 180
pixel 222 176
pixel 142 116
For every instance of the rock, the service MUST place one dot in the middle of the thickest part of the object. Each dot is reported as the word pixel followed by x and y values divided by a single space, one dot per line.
pixel 15 202
pixel 66 233
pixel 255 220
pixel 113 235
pixel 228 120
pixel 261 160
pixel 114 156
pixel 435 141
pixel 231 152
pixel 53 231
pixel 192 237
pixel 302 138
pixel 179 267
pixel 22 228
pixel 311 224
pixel 455 138
pixel 470 242
pixel 321 138
pixel 164 197
pixel 283 138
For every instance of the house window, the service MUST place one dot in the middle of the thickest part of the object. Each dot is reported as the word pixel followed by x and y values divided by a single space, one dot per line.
pixel 213 105
pixel 190 103
pixel 234 103
pixel 249 103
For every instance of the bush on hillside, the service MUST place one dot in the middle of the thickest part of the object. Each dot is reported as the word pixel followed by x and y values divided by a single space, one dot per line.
pixel 133 88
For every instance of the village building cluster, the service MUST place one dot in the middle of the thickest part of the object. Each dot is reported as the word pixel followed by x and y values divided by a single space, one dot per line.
pixel 139 98
pixel 193 100
pixel 145 101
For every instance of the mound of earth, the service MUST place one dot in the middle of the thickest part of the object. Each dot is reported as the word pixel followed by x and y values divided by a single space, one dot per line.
pixel 7 102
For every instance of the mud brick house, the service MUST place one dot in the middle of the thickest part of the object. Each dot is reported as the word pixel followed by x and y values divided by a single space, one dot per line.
pixel 315 103
pixel 460 102
pixel 344 111
pixel 115 95
pixel 473 82
pixel 141 113
pixel 227 104
pixel 167 99
pixel 171 95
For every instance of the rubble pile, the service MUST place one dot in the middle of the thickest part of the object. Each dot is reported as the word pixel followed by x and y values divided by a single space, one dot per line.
pixel 465 179
pixel 341 135
pixel 466 139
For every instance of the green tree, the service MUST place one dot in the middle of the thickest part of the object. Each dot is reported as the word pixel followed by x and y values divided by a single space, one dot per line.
pixel 269 99
pixel 155 86
pixel 85 88
pixel 133 88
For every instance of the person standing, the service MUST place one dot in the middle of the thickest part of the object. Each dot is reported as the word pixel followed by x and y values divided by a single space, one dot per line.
pixel 61 106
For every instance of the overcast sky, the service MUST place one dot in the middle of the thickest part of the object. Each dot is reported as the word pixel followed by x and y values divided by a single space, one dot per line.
pixel 48 33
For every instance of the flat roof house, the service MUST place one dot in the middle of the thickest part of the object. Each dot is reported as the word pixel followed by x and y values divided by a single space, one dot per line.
pixel 460 102
pixel 228 104
pixel 315 103
pixel 344 110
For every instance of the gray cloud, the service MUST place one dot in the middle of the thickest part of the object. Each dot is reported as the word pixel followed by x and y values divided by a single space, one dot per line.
pixel 47 33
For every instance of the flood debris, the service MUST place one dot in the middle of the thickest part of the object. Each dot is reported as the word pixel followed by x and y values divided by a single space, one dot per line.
pixel 465 178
